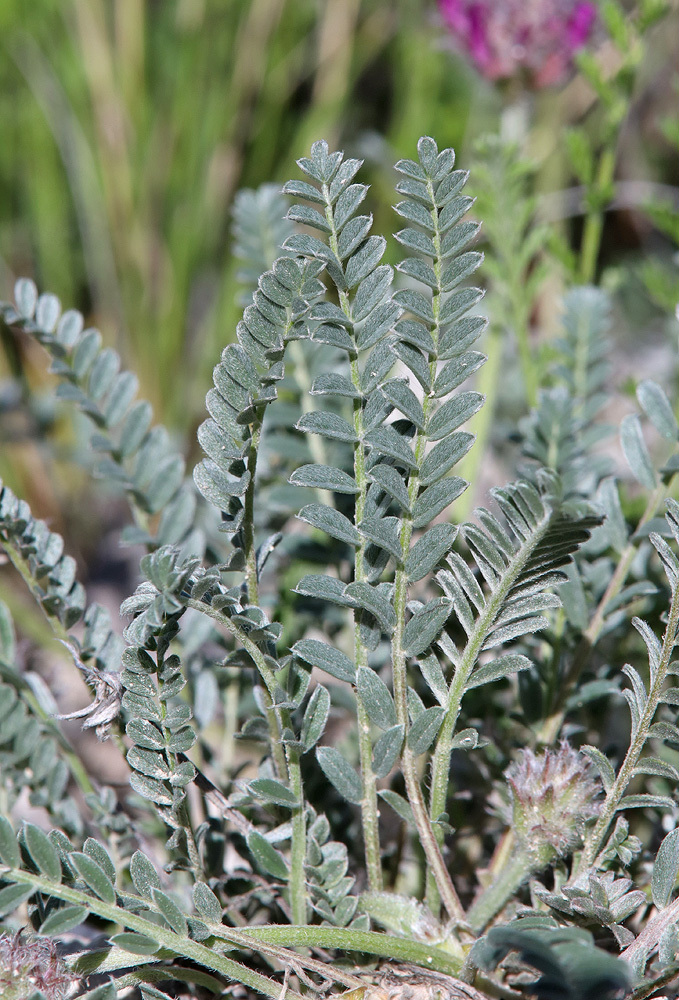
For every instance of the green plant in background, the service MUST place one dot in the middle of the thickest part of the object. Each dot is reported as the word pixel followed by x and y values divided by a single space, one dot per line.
pixel 393 674
pixel 133 125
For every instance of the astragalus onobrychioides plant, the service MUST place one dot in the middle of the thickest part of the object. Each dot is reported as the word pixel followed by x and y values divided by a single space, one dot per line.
pixel 370 749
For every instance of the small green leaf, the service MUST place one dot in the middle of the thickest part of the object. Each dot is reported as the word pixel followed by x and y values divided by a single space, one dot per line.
pixel 452 414
pixel 387 441
pixel 376 697
pixel 657 408
pixel 636 452
pixel 329 425
pixel 99 854
pixel 331 384
pixel 384 532
pixel 429 550
pixel 387 750
pixel 665 870
pixel 400 806
pixel 430 668
pixel 315 717
pixel 365 260
pixel 9 849
pixel 404 399
pixel 434 500
pixel 145 734
pixel 138 944
pixel 105 992
pixel 323 477
pixel 43 852
pixel 504 666
pixel 425 626
pixel 206 903
pixel 273 791
pixel 325 657
pixel 644 801
pixel 392 482
pixel 444 456
pixel 144 875
pixel 368 597
pixel 150 789
pixel 602 764
pixel 330 521
pixel 466 739
pixel 65 919
pixel 340 774
pixel 26 297
pixel 425 729
pixel 93 875
pixel 13 896
pixel 267 857
pixel 170 911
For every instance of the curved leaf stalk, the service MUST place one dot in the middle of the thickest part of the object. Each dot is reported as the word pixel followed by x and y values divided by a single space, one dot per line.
pixel 597 834
pixel 265 672
pixel 178 944
pixel 286 760
pixel 437 873
pixel 371 942
pixel 369 810
pixel 441 759
pixel 551 727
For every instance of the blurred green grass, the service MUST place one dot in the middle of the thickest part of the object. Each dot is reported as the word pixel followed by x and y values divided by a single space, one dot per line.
pixel 130 124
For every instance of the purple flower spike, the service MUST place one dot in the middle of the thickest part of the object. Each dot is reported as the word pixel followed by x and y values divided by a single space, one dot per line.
pixel 505 37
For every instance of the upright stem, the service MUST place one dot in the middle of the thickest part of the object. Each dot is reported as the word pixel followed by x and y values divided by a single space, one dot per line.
pixel 594 222
pixel 444 745
pixel 492 899
pixel 551 726
pixel 298 892
pixel 369 811
pixel 597 834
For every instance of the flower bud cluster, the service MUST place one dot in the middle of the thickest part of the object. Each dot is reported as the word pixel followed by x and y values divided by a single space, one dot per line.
pixel 28 965
pixel 554 794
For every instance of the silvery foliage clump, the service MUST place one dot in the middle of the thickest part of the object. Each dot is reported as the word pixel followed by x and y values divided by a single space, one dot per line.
pixel 336 703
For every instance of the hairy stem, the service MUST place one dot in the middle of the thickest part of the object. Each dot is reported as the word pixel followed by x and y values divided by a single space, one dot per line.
pixel 369 810
pixel 492 899
pixel 458 685
pixel 596 835
pixel 176 943
pixel 298 892
pixel 552 725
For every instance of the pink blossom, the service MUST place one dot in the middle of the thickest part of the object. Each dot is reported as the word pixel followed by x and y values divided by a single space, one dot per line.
pixel 505 37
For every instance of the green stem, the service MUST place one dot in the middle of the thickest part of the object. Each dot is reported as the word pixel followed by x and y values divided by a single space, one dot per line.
pixel 492 899
pixel 344 938
pixel 591 237
pixel 176 943
pixel 444 745
pixel 369 810
pixel 551 726
pixel 265 672
pixel 315 442
pixel 297 882
pixel 251 578
pixel 596 835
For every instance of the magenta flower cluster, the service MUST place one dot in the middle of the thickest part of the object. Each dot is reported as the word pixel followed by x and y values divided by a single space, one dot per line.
pixel 507 37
